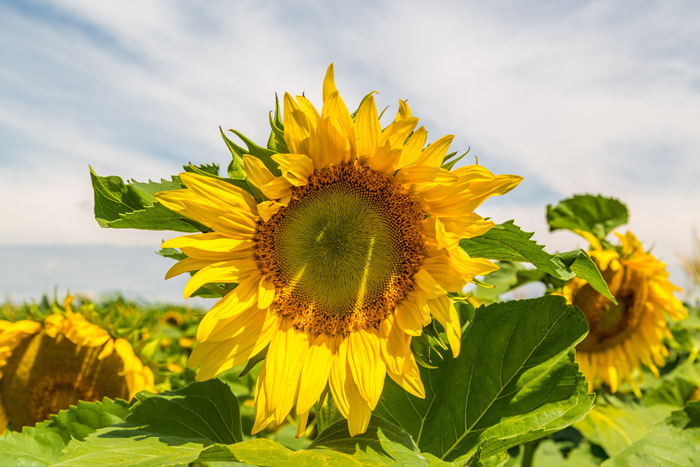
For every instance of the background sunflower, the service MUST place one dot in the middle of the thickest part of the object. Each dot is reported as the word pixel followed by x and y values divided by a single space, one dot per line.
pixel 626 335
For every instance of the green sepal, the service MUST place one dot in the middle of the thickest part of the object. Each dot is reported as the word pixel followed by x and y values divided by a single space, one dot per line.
pixel 354 114
pixel 133 205
pixel 264 154
pixel 598 215
pixel 448 165
pixel 254 360
pixel 420 347
pixel 276 141
pixel 210 290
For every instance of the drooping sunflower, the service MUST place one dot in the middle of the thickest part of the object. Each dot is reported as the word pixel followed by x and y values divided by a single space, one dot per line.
pixel 351 248
pixel 47 366
pixel 625 336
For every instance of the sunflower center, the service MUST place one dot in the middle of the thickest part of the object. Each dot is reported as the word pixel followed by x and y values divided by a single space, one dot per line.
pixel 45 375
pixel 610 324
pixel 343 251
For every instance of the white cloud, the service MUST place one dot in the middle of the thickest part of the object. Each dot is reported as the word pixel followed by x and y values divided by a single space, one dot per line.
pixel 574 96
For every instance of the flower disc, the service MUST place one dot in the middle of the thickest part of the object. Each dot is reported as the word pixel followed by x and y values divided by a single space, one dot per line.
pixel 608 323
pixel 343 251
pixel 45 375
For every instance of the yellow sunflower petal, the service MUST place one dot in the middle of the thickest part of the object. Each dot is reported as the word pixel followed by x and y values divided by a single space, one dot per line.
pixel 235 224
pixel 266 293
pixel 298 130
pixel 404 111
pixel 329 83
pixel 336 132
pixel 367 128
pixel 284 361
pixel 413 148
pixel 212 241
pixel 366 365
pixel 423 174
pixel 219 191
pixel 267 209
pixel 409 378
pixel 346 395
pixel 395 345
pixel 316 371
pixel 445 312
pixel 218 356
pixel 434 154
pixel 390 145
pixel 263 416
pixel 296 168
pixel 225 272
pixel 238 300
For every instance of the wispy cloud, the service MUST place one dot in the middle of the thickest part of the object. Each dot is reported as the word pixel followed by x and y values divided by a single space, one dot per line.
pixel 575 96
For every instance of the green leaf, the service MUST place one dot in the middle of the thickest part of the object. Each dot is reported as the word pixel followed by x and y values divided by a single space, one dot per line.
pixel 595 214
pixel 674 442
pixel 204 410
pixel 118 446
pixel 42 445
pixel 675 387
pixel 31 448
pixel 581 264
pixel 383 444
pixel 85 418
pixel 616 425
pixel 164 429
pixel 206 170
pixel 133 205
pixel 507 242
pixel 515 380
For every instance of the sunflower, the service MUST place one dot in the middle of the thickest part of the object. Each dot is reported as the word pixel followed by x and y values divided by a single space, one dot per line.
pixel 622 337
pixel 47 366
pixel 347 253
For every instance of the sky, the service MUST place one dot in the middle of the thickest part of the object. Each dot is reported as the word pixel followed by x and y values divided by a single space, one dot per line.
pixel 575 96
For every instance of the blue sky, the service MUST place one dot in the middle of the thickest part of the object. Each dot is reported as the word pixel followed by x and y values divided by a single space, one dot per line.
pixel 575 96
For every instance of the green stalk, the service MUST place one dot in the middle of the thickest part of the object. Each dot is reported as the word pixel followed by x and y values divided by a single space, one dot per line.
pixel 529 449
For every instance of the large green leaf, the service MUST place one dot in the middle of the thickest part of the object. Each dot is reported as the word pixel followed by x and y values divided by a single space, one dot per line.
pixel 675 442
pixel 123 446
pixel 507 242
pixel 595 214
pixel 164 429
pixel 42 445
pixel 81 420
pixel 616 425
pixel 204 410
pixel 383 444
pixel 133 205
pixel 31 448
pixel 675 387
pixel 515 380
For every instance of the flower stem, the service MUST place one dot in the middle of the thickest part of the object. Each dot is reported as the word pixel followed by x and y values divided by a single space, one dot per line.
pixel 529 452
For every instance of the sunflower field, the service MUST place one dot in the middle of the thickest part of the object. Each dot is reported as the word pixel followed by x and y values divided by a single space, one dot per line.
pixel 362 313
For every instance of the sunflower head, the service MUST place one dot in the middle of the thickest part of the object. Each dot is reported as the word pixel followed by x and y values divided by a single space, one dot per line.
pixel 47 366
pixel 343 247
pixel 626 335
